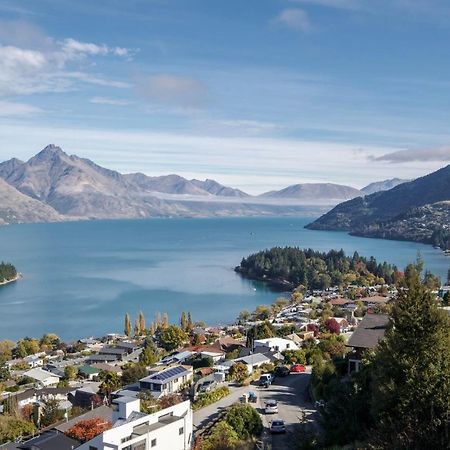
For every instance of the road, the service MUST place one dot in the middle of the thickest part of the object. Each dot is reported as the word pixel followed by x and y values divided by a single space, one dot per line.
pixel 292 395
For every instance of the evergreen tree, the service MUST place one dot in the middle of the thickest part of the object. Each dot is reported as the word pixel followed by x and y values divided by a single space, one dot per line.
pixel 127 326
pixel 190 324
pixel 411 371
pixel 137 329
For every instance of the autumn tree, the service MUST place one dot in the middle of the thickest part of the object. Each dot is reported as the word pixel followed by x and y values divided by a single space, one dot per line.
pixel 332 326
pixel 88 429
pixel 238 372
pixel 70 372
pixel 141 320
pixel 165 321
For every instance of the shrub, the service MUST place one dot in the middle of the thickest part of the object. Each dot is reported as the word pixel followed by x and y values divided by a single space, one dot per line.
pixel 245 421
pixel 85 430
pixel 210 397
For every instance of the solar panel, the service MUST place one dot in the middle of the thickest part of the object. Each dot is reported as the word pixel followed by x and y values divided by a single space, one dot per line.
pixel 169 373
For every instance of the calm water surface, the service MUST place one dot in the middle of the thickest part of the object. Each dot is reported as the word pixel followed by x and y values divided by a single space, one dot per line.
pixel 80 278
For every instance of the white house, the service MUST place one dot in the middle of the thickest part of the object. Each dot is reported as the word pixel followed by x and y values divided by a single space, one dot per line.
pixel 167 381
pixel 251 361
pixel 42 377
pixel 275 344
pixel 170 428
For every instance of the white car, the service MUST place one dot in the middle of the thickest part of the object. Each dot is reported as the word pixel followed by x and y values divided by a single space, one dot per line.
pixel 277 426
pixel 271 407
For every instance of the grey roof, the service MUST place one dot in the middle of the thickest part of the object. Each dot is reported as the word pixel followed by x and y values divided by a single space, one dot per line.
pixel 50 440
pixel 257 358
pixel 102 412
pixel 369 332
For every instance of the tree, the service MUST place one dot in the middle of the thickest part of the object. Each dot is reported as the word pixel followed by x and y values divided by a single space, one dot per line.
pixel 190 324
pixel 6 348
pixel 110 382
pixel 51 412
pixel 172 337
pixel 262 312
pixel 238 372
pixel 183 321
pixel 26 347
pixel 137 330
pixel 70 372
pixel 333 345
pixel 446 299
pixel 411 370
pixel 141 320
pixel 127 325
pixel 244 420
pixel 332 326
pixel 260 331
pixel 49 341
pixel 166 401
pixel 133 374
pixel 222 437
pixel 149 356
pixel 244 316
pixel 12 428
pixel 165 321
pixel 88 429
pixel 294 357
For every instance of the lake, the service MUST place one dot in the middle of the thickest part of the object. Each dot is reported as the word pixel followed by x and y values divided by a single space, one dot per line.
pixel 80 278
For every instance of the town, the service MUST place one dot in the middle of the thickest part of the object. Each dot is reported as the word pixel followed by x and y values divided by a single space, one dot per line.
pixel 255 383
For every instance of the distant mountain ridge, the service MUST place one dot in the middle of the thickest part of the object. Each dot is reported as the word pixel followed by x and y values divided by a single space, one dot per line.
pixel 384 185
pixel 316 191
pixel 396 212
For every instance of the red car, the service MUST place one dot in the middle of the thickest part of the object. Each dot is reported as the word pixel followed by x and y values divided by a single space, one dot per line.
pixel 298 368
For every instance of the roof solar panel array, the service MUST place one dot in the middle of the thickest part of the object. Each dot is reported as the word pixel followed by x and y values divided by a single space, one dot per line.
pixel 166 374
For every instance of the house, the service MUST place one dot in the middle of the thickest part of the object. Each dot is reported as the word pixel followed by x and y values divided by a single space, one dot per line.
pixel 275 344
pixel 342 322
pixel 178 357
pixel 85 396
pixel 105 359
pixel 102 412
pixel 107 367
pixel 166 381
pixel 42 377
pixel 251 361
pixel 370 331
pixel 88 372
pixel 374 300
pixel 170 428
pixel 35 360
pixel 49 440
pixel 295 338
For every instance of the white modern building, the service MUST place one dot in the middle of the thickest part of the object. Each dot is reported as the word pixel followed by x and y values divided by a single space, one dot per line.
pixel 275 344
pixel 42 377
pixel 170 428
pixel 167 381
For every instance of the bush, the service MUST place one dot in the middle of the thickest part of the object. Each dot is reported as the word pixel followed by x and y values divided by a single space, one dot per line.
pixel 85 430
pixel 12 428
pixel 245 421
pixel 210 397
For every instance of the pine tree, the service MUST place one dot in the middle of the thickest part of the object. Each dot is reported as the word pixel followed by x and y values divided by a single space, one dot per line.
pixel 158 320
pixel 141 322
pixel 127 326
pixel 183 321
pixel 411 370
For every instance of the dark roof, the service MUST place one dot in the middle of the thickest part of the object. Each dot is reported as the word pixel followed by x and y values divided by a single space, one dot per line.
pixel 102 412
pixel 369 332
pixel 166 375
pixel 112 351
pixel 50 440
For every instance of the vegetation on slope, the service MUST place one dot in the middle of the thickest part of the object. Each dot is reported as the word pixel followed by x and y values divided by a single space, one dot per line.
pixel 7 272
pixel 291 266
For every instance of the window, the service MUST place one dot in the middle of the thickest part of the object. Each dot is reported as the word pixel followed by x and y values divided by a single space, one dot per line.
pixel 181 431
pixel 91 447
pixel 153 443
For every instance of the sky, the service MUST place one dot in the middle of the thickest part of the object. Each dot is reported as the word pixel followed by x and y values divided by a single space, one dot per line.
pixel 257 94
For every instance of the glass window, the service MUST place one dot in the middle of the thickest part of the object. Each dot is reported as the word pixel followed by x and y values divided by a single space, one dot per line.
pixel 181 431
pixel 153 442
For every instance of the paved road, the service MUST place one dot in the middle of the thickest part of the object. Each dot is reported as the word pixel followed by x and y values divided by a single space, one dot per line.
pixel 292 395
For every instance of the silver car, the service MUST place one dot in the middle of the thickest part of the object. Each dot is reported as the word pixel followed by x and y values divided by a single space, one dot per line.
pixel 271 407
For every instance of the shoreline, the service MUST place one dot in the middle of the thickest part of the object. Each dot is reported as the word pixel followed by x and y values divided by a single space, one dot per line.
pixel 12 280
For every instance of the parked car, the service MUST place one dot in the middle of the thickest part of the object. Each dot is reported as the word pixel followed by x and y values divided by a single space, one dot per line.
pixel 277 426
pixel 298 368
pixel 271 407
pixel 282 371
pixel 265 379
pixel 206 386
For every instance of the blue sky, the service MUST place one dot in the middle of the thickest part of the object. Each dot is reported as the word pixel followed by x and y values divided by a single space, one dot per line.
pixel 257 94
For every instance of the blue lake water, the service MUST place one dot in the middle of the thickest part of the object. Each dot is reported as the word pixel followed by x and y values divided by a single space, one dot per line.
pixel 80 278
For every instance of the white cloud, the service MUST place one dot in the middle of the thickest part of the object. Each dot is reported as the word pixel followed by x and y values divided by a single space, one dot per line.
pixel 109 101
pixel 425 155
pixel 171 90
pixel 31 62
pixel 8 109
pixel 294 18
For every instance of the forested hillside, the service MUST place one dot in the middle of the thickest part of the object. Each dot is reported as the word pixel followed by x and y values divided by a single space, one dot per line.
pixel 7 272
pixel 292 267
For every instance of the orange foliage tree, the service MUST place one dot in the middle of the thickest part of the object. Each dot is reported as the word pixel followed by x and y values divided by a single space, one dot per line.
pixel 85 430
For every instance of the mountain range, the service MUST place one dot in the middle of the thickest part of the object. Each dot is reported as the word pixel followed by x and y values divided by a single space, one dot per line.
pixel 418 210
pixel 382 185
pixel 54 186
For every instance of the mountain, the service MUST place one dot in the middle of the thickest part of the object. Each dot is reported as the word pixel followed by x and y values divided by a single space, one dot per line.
pixel 400 210
pixel 16 207
pixel 167 184
pixel 382 185
pixel 215 188
pixel 315 191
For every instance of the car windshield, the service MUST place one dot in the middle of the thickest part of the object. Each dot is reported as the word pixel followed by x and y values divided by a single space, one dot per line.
pixel 271 403
pixel 277 423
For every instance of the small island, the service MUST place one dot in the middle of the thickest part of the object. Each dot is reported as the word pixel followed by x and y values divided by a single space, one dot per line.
pixel 290 267
pixel 8 273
